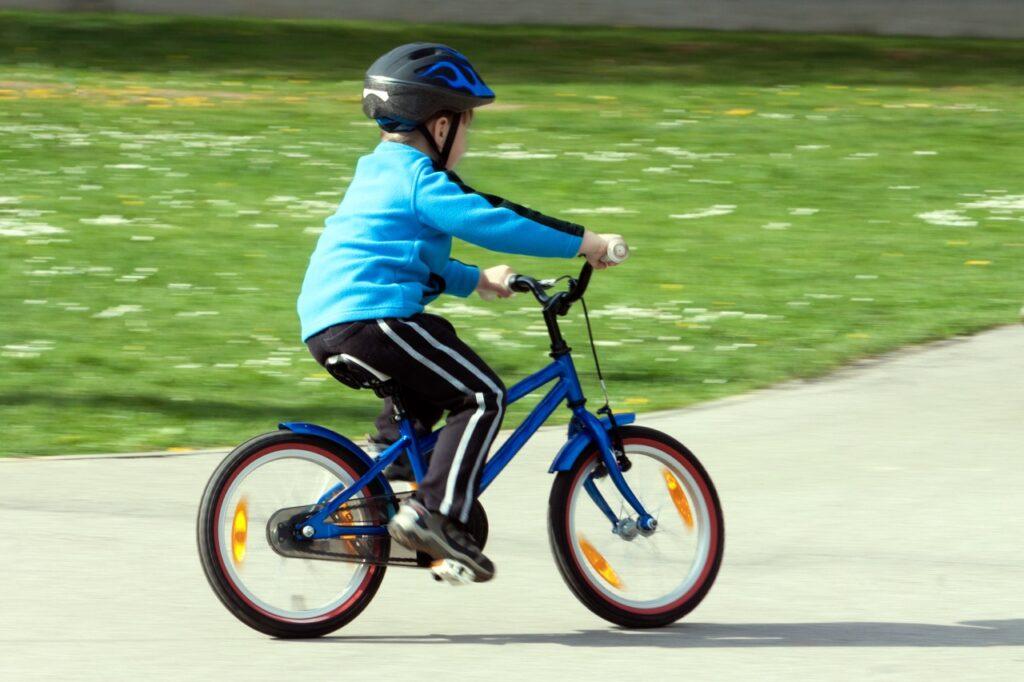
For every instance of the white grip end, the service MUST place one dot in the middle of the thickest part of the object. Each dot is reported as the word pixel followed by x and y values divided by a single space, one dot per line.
pixel 617 251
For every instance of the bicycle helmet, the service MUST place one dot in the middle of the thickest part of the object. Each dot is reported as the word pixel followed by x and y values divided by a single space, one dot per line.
pixel 413 82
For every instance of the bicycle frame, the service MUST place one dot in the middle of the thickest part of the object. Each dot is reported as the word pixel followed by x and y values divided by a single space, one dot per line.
pixel 567 387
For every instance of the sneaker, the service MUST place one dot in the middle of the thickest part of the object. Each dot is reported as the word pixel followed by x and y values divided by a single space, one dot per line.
pixel 419 529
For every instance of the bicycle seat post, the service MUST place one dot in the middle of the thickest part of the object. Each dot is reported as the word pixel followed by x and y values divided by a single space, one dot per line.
pixel 397 407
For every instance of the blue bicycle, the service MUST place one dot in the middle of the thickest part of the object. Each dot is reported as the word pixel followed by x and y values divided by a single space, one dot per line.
pixel 292 524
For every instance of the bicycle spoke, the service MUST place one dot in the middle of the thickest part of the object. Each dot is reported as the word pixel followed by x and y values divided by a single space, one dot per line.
pixel 277 583
pixel 649 568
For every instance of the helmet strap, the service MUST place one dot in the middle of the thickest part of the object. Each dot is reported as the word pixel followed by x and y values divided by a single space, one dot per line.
pixel 429 137
pixel 444 151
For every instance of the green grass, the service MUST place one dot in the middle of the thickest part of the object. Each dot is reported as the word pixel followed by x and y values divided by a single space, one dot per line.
pixel 188 163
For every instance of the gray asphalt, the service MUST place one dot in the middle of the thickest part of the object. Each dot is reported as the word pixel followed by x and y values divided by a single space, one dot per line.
pixel 874 525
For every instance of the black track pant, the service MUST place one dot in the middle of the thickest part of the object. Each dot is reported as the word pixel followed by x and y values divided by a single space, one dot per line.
pixel 434 372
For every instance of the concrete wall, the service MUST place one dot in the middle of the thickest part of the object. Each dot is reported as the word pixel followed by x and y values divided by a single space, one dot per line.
pixel 981 18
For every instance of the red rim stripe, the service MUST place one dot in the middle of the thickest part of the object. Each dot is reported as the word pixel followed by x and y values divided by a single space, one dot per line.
pixel 216 536
pixel 714 530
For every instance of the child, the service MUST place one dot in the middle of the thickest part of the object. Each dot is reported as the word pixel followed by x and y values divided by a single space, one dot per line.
pixel 384 255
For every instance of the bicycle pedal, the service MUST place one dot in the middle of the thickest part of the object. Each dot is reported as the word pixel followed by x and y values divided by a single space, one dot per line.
pixel 451 572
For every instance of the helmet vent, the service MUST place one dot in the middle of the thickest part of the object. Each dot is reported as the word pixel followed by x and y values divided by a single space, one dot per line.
pixel 421 53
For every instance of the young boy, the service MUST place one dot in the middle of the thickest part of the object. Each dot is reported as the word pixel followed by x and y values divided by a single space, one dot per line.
pixel 384 255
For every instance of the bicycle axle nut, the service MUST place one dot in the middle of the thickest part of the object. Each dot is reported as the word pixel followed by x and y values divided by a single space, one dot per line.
pixel 647 524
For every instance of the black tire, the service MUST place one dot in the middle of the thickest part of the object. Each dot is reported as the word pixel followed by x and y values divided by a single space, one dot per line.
pixel 209 554
pixel 574 576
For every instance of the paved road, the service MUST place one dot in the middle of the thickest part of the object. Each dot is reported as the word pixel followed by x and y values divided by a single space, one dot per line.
pixel 874 528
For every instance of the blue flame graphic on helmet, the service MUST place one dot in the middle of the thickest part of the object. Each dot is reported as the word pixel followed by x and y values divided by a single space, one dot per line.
pixel 456 76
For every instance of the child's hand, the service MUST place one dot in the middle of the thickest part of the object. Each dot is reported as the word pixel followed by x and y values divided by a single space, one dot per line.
pixel 494 282
pixel 595 248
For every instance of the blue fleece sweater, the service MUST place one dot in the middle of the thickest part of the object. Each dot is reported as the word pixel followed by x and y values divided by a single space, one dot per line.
pixel 386 251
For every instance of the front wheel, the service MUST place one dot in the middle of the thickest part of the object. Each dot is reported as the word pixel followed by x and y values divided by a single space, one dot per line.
pixel 623 575
pixel 269 591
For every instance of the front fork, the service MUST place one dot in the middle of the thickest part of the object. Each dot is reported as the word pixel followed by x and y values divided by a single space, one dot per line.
pixel 645 524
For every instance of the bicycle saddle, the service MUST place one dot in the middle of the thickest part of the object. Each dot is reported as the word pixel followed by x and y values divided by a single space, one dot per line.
pixel 356 374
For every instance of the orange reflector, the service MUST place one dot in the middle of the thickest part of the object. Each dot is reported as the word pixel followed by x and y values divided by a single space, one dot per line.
pixel 344 514
pixel 240 531
pixel 599 563
pixel 678 497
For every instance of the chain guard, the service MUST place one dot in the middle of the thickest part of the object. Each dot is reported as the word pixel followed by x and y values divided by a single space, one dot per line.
pixel 283 536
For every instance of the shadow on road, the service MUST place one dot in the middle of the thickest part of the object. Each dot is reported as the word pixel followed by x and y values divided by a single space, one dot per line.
pixel 978 633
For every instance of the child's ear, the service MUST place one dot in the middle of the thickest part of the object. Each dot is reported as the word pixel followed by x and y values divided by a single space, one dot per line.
pixel 439 128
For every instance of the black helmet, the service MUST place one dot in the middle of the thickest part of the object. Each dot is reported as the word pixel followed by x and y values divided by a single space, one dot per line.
pixel 413 82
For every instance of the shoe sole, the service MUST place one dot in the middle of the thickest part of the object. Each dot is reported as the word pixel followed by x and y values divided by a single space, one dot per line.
pixel 452 572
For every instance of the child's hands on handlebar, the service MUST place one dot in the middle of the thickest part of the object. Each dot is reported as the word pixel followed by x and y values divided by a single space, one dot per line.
pixel 494 282
pixel 595 249
pixel 600 250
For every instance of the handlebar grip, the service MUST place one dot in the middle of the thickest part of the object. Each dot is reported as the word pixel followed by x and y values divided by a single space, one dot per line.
pixel 617 251
pixel 510 282
pixel 516 284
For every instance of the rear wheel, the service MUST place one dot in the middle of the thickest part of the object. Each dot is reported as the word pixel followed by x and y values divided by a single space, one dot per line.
pixel 626 577
pixel 276 594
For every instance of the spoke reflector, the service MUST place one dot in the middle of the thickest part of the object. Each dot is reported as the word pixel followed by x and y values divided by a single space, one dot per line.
pixel 599 563
pixel 240 531
pixel 345 517
pixel 678 497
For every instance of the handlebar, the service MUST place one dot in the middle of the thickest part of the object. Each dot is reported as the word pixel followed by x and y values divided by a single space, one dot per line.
pixel 579 287
pixel 525 284
pixel 563 299
pixel 617 251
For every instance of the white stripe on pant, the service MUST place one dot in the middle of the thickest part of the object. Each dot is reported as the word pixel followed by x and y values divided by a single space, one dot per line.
pixel 464 444
pixel 464 512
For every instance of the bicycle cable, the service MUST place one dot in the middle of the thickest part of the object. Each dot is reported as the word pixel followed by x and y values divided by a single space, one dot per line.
pixel 593 350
